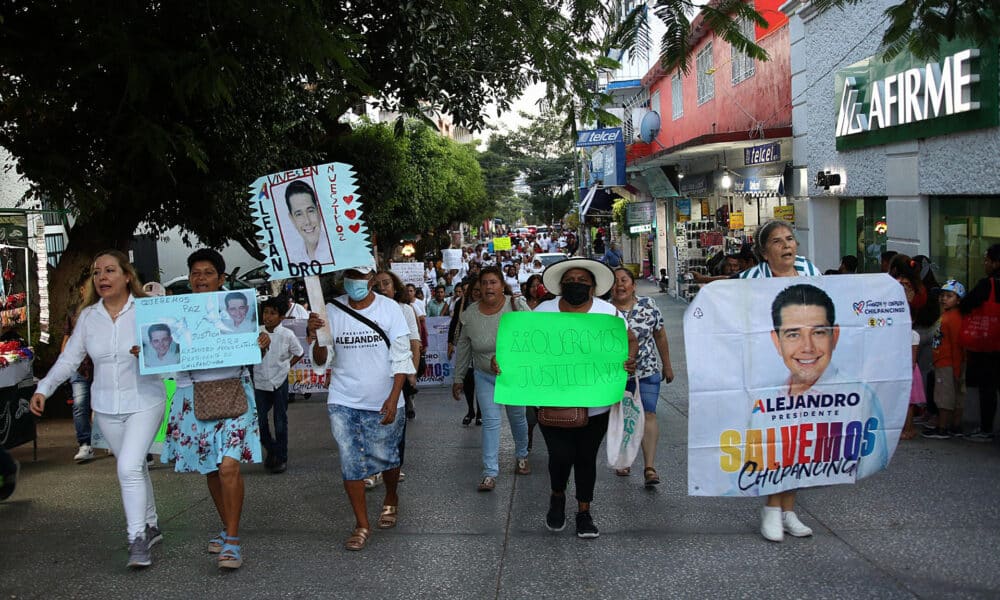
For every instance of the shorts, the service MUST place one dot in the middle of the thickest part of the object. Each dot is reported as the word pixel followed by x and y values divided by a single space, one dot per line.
pixel 366 445
pixel 947 389
pixel 649 391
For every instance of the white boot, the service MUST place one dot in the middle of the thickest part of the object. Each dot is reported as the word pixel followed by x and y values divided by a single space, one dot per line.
pixel 793 526
pixel 770 523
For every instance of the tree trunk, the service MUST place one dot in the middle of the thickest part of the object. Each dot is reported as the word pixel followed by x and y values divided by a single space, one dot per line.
pixel 85 241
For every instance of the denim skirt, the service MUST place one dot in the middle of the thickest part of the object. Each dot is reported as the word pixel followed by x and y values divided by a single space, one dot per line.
pixel 366 446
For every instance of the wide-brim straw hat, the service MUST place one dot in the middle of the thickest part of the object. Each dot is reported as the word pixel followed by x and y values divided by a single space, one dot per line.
pixel 604 277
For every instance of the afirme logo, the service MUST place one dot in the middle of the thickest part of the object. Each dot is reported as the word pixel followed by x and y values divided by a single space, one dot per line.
pixel 911 96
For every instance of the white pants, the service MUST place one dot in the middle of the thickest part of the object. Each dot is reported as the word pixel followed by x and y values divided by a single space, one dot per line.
pixel 130 436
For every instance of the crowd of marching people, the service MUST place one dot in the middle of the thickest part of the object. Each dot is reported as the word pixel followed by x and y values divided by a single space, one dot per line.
pixel 372 391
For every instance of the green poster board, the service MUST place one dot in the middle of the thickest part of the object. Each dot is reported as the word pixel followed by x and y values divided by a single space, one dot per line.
pixel 171 387
pixel 561 359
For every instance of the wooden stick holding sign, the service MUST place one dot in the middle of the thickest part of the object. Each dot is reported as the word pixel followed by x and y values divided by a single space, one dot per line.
pixel 324 337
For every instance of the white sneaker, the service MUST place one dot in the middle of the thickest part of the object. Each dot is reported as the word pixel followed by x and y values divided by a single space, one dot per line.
pixel 793 526
pixel 85 453
pixel 770 523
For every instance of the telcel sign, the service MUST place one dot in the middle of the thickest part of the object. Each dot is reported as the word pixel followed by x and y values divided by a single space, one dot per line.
pixel 599 137
pixel 881 103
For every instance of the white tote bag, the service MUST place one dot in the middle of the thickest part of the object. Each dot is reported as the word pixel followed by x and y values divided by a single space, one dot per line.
pixel 625 426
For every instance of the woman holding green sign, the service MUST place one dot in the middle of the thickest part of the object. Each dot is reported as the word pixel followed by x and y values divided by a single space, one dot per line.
pixel 577 282
pixel 477 347
pixel 128 407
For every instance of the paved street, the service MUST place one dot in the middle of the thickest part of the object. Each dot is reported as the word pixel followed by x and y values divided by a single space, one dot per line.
pixel 929 527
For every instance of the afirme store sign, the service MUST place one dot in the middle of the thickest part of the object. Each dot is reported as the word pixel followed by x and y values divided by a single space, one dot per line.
pixel 904 99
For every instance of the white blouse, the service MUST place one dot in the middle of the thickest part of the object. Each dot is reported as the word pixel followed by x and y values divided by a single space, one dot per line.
pixel 118 387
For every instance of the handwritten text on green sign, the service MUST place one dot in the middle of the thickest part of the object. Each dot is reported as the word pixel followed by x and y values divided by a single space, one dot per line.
pixel 561 359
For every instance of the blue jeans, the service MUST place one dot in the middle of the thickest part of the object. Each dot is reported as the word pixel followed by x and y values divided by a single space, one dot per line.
pixel 649 391
pixel 491 425
pixel 81 407
pixel 277 448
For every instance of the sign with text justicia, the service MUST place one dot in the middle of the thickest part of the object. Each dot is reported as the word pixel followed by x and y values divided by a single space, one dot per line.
pixel 881 103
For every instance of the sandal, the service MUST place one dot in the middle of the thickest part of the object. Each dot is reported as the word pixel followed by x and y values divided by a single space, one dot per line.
pixel 358 539
pixel 651 477
pixel 373 481
pixel 215 544
pixel 623 472
pixel 230 557
pixel 388 518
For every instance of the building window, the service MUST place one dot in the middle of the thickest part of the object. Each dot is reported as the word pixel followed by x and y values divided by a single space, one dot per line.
pixel 962 228
pixel 743 65
pixel 676 98
pixel 706 74
pixel 55 244
pixel 52 219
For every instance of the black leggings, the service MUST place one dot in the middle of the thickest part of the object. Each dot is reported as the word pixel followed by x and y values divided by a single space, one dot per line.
pixel 987 407
pixel 575 449
pixel 469 387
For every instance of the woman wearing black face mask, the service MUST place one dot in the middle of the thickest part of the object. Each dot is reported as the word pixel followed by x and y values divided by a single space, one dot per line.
pixel 577 283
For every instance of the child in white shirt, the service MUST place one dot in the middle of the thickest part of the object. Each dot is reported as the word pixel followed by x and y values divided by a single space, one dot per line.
pixel 271 383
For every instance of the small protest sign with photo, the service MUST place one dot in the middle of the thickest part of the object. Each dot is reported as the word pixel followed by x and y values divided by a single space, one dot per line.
pixel 561 359
pixel 197 331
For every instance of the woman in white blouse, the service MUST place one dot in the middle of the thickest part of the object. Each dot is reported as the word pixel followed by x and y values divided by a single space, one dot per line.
pixel 128 407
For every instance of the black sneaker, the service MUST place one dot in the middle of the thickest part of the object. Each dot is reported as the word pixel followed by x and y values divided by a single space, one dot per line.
pixel 555 519
pixel 936 434
pixel 585 527
pixel 9 482
pixel 153 535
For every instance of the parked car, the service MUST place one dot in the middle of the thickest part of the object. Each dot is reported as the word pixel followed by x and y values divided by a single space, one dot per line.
pixel 181 285
pixel 550 258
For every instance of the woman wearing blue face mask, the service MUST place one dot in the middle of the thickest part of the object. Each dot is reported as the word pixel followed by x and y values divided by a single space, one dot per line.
pixel 371 359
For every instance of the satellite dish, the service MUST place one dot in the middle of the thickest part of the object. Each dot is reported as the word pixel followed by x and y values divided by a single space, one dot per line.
pixel 649 127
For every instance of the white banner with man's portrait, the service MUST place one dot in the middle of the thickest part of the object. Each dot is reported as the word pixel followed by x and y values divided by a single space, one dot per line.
pixel 794 382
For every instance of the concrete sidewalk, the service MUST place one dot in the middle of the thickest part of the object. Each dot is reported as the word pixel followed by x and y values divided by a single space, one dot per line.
pixel 929 527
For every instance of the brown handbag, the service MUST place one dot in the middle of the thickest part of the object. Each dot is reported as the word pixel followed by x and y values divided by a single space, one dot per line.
pixel 558 416
pixel 220 399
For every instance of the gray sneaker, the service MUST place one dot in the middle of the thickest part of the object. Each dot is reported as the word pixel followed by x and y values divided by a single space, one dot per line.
pixel 154 535
pixel 138 552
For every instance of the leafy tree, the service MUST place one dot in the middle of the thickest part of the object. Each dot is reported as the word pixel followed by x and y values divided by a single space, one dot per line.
pixel 415 183
pixel 538 156
pixel 919 26
pixel 160 113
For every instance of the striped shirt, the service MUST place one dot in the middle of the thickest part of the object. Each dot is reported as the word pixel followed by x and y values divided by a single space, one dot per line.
pixel 803 267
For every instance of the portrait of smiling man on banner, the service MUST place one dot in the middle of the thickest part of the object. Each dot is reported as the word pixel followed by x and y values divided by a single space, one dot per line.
pixel 302 225
pixel 817 392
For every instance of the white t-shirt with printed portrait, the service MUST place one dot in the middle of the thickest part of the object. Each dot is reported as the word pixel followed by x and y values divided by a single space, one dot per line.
pixel 360 371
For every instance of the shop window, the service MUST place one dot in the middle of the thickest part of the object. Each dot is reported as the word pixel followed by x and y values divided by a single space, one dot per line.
pixel 962 228
pixel 676 97
pixel 864 232
pixel 743 65
pixel 706 74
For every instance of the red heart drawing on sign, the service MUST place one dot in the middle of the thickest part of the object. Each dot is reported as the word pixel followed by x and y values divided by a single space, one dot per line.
pixel 354 227
pixel 348 199
pixel 351 213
